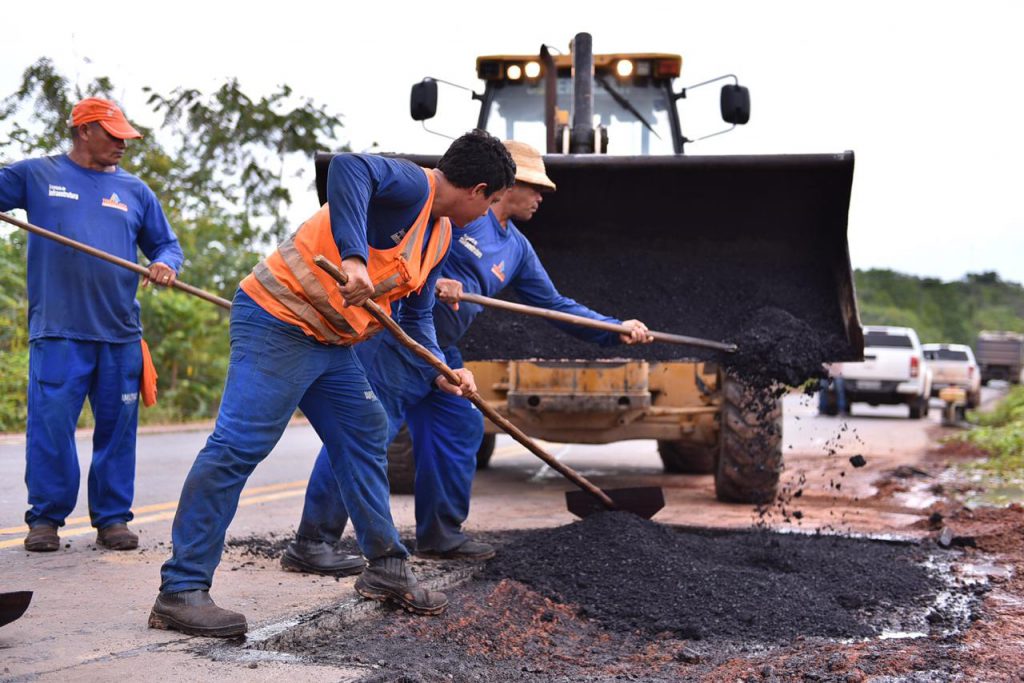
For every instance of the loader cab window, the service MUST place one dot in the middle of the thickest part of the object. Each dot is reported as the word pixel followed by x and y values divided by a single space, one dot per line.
pixel 517 113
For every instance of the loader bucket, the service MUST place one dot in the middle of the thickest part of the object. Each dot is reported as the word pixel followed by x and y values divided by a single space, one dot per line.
pixel 693 245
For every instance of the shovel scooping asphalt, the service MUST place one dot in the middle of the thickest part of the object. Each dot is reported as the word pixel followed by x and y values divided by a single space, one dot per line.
pixel 590 322
pixel 13 605
pixel 110 258
pixel 643 501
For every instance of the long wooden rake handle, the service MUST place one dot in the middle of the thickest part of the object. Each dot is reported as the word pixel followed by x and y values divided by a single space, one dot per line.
pixel 110 258
pixel 590 322
pixel 493 415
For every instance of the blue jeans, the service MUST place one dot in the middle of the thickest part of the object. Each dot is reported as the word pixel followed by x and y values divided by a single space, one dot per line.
pixel 446 432
pixel 274 369
pixel 62 372
pixel 840 386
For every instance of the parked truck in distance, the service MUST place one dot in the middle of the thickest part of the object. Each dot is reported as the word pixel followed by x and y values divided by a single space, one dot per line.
pixel 953 365
pixel 1000 356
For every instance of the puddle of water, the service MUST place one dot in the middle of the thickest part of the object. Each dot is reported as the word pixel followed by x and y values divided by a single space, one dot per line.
pixel 998 493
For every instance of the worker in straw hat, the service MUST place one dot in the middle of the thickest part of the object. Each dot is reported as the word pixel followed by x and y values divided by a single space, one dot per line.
pixel 487 256
pixel 83 320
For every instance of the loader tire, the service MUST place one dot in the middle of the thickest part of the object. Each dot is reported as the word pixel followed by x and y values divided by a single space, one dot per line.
pixel 486 450
pixel 683 457
pixel 750 453
pixel 401 465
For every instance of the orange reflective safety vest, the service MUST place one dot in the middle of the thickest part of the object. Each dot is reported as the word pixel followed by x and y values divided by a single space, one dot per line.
pixel 289 286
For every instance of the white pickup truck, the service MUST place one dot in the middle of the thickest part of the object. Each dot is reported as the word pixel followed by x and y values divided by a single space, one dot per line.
pixel 953 365
pixel 894 371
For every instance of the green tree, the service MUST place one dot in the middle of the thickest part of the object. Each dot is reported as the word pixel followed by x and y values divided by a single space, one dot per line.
pixel 221 164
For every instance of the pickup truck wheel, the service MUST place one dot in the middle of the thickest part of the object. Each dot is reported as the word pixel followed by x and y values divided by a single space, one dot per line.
pixel 974 399
pixel 683 457
pixel 750 452
pixel 486 450
pixel 401 465
pixel 918 407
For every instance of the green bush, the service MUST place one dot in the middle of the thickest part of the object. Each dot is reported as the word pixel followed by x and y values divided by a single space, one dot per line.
pixel 1000 433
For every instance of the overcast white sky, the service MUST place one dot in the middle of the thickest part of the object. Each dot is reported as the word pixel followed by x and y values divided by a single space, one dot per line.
pixel 927 94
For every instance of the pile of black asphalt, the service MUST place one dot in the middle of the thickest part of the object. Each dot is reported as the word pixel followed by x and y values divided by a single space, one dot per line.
pixel 614 596
pixel 633 574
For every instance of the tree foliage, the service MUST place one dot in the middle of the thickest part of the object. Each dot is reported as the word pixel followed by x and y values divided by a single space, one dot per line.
pixel 221 164
pixel 950 312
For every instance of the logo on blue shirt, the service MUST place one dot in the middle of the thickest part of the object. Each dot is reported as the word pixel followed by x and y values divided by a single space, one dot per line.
pixel 470 244
pixel 62 192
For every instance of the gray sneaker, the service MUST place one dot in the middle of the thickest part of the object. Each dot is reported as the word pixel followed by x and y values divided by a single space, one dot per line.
pixel 319 557
pixel 469 550
pixel 390 579
pixel 195 613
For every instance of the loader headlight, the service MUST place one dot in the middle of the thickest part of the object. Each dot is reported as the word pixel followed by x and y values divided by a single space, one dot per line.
pixel 514 72
pixel 624 68
pixel 532 69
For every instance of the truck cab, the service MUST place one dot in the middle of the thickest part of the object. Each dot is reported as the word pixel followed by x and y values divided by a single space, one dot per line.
pixel 953 365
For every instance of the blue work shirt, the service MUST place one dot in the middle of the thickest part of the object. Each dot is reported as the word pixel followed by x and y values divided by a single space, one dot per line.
pixel 71 294
pixel 486 258
pixel 373 201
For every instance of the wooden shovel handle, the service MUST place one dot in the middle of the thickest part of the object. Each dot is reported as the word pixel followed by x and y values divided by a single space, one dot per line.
pixel 590 322
pixel 449 374
pixel 110 258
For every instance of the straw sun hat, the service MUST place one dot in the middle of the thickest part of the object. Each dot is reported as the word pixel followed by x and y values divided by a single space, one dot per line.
pixel 529 165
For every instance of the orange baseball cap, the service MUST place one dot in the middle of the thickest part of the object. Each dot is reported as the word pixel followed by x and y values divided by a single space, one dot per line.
pixel 107 114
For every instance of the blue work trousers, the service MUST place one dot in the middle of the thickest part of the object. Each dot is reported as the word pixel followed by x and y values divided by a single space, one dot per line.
pixel 446 431
pixel 62 373
pixel 274 368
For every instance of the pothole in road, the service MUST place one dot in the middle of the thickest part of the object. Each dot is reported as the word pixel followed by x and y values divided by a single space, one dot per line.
pixel 614 595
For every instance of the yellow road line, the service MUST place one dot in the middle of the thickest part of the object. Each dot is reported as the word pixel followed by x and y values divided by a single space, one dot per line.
pixel 253 494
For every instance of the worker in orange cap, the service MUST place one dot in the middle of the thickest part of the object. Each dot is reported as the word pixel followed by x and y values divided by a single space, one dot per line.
pixel 84 328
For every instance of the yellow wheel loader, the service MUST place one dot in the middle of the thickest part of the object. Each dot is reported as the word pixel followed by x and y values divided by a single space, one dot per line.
pixel 727 248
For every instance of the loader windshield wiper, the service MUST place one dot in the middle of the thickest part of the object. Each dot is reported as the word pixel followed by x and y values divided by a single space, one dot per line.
pixel 624 103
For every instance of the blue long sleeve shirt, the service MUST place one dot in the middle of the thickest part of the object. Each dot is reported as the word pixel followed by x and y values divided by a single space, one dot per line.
pixel 71 294
pixel 373 201
pixel 486 258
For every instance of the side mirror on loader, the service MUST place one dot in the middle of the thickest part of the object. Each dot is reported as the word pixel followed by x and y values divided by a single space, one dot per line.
pixel 735 103
pixel 423 100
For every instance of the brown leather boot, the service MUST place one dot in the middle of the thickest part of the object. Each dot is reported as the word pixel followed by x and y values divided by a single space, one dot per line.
pixel 42 538
pixel 195 613
pixel 117 537
pixel 390 579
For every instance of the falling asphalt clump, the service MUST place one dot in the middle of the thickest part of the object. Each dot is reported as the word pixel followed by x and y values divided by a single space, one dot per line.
pixel 858 460
pixel 632 574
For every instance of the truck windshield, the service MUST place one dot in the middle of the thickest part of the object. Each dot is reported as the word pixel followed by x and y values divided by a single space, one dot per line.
pixel 899 341
pixel 517 113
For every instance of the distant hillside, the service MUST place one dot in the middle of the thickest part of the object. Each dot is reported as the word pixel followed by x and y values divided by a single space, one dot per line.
pixel 950 312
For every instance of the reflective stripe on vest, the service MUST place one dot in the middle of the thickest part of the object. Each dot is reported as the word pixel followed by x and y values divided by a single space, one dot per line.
pixel 289 286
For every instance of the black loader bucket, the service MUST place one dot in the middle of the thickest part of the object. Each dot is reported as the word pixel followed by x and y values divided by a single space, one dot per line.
pixel 695 245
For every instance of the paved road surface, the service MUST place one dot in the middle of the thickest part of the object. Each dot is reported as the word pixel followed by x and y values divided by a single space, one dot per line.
pixel 87 620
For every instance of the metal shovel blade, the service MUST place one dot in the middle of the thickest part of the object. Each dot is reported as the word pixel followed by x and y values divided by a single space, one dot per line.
pixel 644 501
pixel 13 605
